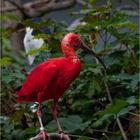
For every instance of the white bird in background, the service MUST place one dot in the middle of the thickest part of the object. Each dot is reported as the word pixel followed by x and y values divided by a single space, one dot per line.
pixel 31 43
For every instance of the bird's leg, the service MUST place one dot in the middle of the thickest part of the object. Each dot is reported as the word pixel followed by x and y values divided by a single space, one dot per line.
pixel 55 115
pixel 42 132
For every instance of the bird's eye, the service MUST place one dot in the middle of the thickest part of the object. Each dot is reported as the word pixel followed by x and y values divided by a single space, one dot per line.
pixel 77 40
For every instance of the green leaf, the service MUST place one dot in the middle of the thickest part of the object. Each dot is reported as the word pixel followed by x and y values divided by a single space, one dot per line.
pixel 131 100
pixel 129 12
pixel 42 36
pixel 113 109
pixel 69 124
pixel 30 130
pixel 125 110
pixel 110 60
pixel 137 101
pixel 7 78
pixel 127 24
pixel 17 116
pixel 89 59
pixel 93 87
pixel 91 1
pixel 3 119
pixel 101 120
pixel 9 16
pixel 54 45
pixel 17 134
pixel 123 76
pixel 7 31
pixel 6 43
pixel 38 25
pixel 37 50
pixel 129 37
pixel 6 60
pixel 135 80
pixel 96 70
pixel 113 44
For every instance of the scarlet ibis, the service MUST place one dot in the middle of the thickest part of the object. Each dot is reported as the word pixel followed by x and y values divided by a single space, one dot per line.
pixel 51 78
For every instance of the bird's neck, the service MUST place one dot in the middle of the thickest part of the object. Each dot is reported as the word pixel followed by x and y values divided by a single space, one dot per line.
pixel 70 53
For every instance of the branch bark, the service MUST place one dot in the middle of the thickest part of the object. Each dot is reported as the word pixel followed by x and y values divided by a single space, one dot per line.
pixel 83 3
pixel 53 136
pixel 38 8
pixel 18 7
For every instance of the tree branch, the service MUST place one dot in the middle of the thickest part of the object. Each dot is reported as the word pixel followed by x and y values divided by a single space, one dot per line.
pixel 39 8
pixel 83 3
pixel 19 8
pixel 54 6
pixel 53 136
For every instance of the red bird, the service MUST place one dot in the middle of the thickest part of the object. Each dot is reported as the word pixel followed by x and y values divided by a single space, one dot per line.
pixel 50 79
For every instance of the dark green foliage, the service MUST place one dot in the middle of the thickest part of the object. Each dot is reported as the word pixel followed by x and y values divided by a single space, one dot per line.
pixel 85 109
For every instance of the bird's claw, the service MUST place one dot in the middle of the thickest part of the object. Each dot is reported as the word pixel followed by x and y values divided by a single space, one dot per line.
pixel 62 133
pixel 44 134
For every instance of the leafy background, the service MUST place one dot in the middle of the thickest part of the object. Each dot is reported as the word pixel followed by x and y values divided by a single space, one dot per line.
pixel 92 106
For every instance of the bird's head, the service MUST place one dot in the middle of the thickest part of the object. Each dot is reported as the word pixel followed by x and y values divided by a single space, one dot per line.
pixel 73 40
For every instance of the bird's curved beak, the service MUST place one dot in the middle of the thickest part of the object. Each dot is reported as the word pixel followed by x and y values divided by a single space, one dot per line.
pixel 88 50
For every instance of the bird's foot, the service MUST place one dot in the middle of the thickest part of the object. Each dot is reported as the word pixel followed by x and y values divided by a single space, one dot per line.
pixel 43 134
pixel 64 135
pixel 61 132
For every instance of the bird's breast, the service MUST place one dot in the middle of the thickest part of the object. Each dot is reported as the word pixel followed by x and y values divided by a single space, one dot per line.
pixel 66 76
pixel 71 73
pixel 68 71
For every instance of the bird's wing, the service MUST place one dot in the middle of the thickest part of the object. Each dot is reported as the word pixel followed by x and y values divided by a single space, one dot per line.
pixel 37 81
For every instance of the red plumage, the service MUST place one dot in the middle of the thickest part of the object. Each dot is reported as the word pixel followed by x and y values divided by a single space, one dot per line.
pixel 48 80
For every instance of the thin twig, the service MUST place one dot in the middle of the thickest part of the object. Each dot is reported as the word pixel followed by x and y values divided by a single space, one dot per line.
pixel 103 131
pixel 109 95
pixel 134 114
pixel 130 120
pixel 134 60
pixel 78 136
pixel 104 134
